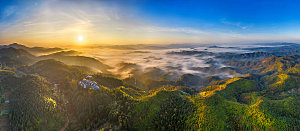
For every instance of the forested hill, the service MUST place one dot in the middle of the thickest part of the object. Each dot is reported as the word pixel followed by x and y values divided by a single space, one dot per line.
pixel 49 94
pixel 15 57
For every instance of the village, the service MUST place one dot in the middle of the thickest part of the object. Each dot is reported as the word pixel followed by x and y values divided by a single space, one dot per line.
pixel 87 83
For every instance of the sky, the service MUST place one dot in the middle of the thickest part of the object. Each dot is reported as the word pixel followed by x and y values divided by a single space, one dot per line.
pixel 102 22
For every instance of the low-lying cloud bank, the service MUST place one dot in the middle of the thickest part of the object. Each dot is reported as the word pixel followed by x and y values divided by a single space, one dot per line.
pixel 202 60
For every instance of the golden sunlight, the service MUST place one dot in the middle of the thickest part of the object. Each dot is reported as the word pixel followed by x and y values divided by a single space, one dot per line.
pixel 80 38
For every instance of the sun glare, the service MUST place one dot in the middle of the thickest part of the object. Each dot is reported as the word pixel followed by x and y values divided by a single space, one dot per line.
pixel 80 38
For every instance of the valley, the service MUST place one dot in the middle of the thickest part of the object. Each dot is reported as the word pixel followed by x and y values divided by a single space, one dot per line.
pixel 241 88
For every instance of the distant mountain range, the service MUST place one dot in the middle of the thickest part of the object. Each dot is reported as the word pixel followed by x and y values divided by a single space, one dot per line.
pixel 20 55
pixel 32 49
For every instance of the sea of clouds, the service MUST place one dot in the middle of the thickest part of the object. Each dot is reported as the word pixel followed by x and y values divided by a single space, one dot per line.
pixel 165 57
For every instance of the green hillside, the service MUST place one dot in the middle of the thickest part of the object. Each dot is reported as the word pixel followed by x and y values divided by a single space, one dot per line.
pixel 47 96
pixel 35 105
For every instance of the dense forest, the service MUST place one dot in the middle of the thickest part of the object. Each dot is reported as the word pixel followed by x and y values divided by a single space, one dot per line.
pixel 43 93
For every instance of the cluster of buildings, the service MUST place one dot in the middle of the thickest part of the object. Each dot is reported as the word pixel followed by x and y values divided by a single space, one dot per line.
pixel 2 66
pixel 86 83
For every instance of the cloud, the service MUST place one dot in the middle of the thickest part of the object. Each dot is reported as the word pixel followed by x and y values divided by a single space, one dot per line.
pixel 102 22
pixel 236 24
pixel 175 30
pixel 8 11
pixel 179 64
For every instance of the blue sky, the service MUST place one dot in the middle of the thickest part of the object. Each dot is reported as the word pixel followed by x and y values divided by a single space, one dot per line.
pixel 229 14
pixel 149 21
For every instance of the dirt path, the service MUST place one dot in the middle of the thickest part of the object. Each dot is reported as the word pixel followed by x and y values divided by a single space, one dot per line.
pixel 4 120
pixel 66 124
pixel 68 121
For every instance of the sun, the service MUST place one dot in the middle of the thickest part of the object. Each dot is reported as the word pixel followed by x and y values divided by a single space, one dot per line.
pixel 80 38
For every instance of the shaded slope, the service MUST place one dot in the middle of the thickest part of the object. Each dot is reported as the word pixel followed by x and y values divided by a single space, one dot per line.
pixel 56 71
pixel 32 49
pixel 15 57
pixel 65 57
